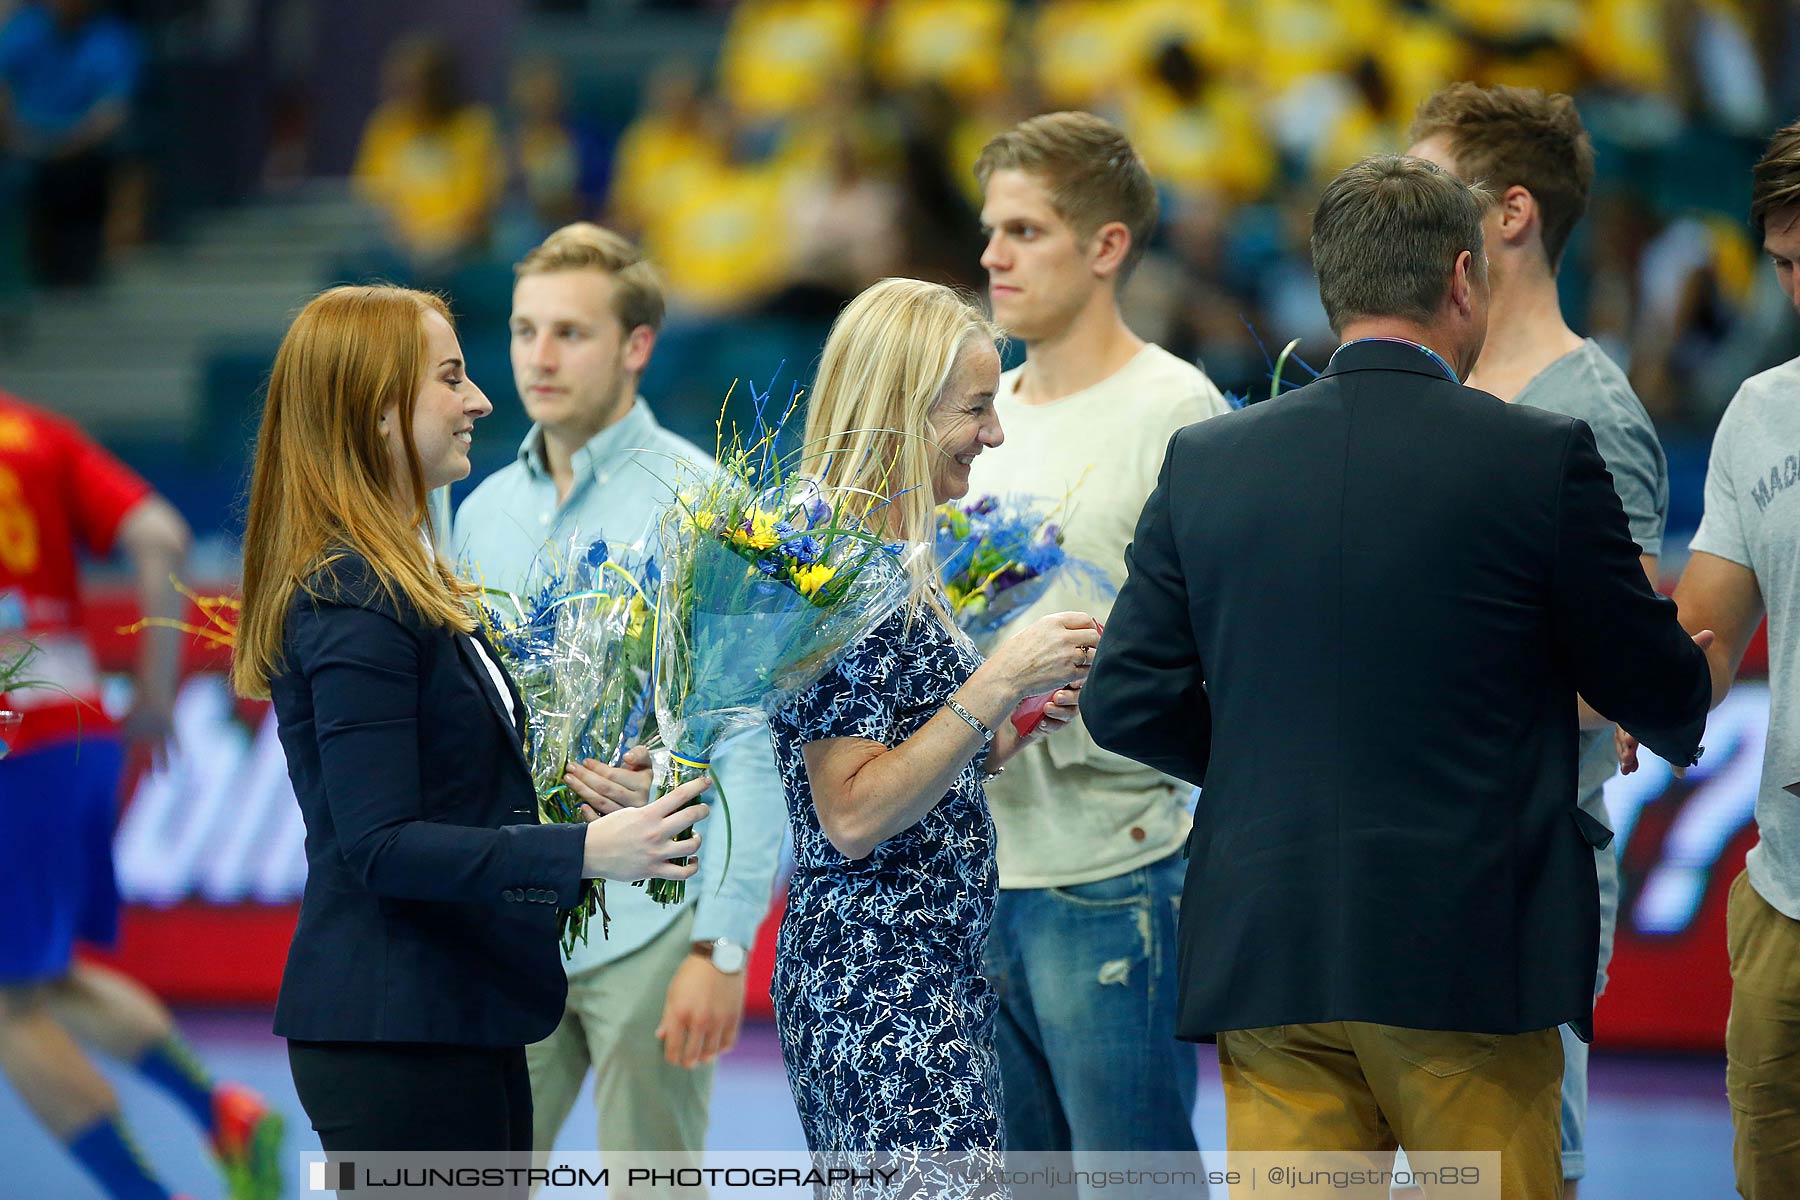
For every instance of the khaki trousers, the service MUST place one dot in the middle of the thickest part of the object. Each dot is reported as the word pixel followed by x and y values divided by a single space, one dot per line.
pixel 1762 1045
pixel 609 1024
pixel 1352 1088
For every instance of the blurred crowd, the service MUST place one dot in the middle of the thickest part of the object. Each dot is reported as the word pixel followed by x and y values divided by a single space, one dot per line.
pixel 828 143
pixel 831 144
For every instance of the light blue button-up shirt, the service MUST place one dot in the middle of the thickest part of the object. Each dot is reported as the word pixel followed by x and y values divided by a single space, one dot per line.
pixel 623 481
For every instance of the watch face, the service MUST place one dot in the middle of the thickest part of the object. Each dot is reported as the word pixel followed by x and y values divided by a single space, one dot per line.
pixel 728 956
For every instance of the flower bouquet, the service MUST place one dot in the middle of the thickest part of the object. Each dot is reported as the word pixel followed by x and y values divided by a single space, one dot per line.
pixel 996 556
pixel 580 651
pixel 765 585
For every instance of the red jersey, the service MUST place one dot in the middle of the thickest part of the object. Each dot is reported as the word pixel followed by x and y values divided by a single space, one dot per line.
pixel 58 489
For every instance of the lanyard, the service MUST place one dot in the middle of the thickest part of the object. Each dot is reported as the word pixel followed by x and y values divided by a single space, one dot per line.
pixel 1427 351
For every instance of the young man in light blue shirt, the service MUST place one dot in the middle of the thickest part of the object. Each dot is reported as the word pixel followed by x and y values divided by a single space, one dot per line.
pixel 653 1005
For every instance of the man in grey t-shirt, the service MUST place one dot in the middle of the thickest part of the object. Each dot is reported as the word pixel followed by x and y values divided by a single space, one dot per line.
pixel 1746 557
pixel 1530 152
pixel 1585 383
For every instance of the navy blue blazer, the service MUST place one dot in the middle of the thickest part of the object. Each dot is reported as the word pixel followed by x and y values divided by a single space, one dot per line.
pixel 430 910
pixel 1359 614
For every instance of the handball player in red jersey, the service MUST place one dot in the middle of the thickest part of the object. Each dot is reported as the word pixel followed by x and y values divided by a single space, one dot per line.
pixel 59 491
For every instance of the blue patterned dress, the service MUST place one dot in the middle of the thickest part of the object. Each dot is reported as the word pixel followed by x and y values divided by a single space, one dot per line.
pixel 886 1022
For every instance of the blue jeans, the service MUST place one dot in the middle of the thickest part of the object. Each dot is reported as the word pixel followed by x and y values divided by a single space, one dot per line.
pixel 1085 976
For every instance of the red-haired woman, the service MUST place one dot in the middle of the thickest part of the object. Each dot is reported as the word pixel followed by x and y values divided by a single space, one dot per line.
pixel 426 954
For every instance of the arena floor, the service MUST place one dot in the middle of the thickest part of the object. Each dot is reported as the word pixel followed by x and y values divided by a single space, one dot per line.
pixel 1659 1127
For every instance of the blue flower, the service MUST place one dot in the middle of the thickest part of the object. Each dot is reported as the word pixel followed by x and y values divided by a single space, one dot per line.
pixel 1041 556
pixel 803 549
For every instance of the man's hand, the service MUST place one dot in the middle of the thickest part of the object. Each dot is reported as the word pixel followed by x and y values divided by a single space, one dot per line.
pixel 1061 709
pixel 150 723
pixel 703 1013
pixel 1627 746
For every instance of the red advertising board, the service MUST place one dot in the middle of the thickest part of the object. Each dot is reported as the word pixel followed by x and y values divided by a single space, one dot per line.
pixel 210 856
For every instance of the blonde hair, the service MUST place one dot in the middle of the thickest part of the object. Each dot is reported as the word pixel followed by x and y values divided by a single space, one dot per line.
pixel 886 363
pixel 584 246
pixel 324 479
pixel 1089 168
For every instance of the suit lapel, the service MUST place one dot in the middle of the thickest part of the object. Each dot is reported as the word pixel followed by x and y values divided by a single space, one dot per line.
pixel 484 683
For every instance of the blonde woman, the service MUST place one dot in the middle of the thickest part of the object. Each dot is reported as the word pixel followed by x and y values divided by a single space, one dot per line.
pixel 886 1022
pixel 426 955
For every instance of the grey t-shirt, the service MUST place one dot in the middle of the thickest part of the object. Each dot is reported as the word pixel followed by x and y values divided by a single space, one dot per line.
pixel 1753 519
pixel 1585 383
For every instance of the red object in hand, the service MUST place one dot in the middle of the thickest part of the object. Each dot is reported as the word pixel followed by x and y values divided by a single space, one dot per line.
pixel 1030 713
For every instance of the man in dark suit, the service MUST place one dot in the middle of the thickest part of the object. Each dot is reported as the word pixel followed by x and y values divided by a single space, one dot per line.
pixel 1359 615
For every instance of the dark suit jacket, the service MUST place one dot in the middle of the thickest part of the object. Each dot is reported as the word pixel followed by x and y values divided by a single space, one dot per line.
pixel 431 897
pixel 1359 615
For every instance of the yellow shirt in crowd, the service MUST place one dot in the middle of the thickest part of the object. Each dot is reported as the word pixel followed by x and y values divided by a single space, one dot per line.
pixel 438 183
pixel 1627 42
pixel 782 56
pixel 721 242
pixel 958 43
pixel 659 160
pixel 1221 33
pixel 1216 144
pixel 1505 20
pixel 1083 52
pixel 1299 38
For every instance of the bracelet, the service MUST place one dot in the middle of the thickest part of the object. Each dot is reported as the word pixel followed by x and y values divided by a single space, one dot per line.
pixel 974 722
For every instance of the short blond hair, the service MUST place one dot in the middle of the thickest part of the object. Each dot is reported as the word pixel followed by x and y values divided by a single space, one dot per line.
pixel 1090 170
pixel 585 246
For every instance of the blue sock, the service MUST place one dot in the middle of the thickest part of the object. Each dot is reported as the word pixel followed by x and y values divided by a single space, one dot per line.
pixel 107 1153
pixel 171 1066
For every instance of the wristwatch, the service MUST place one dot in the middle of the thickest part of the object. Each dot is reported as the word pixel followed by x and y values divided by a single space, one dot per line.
pixel 727 956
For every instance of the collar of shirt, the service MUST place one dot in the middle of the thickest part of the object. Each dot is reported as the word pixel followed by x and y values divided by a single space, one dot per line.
pixel 1433 355
pixel 601 454
pixel 513 526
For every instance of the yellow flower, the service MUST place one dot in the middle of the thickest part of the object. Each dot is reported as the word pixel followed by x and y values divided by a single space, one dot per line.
pixel 762 535
pixel 706 518
pixel 809 579
pixel 634 623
